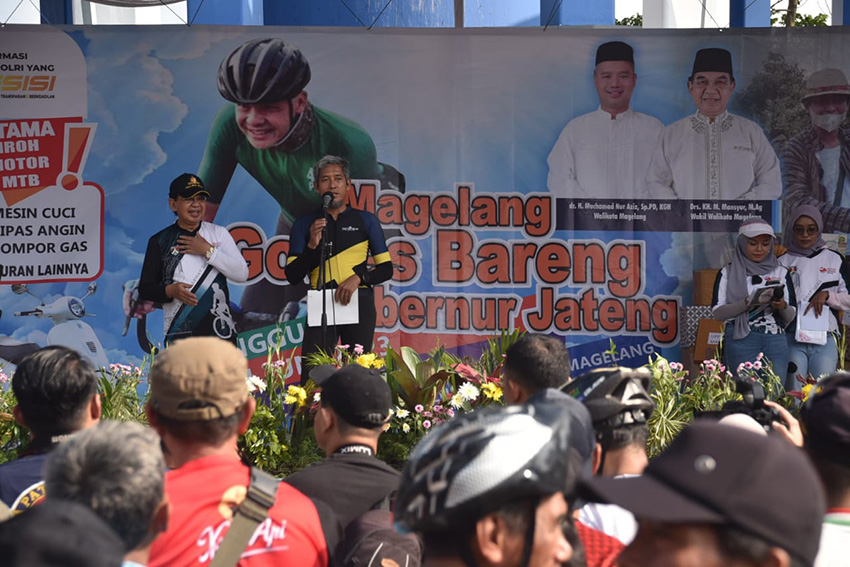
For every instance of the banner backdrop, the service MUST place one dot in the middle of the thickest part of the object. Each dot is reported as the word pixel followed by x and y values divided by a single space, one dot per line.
pixel 454 137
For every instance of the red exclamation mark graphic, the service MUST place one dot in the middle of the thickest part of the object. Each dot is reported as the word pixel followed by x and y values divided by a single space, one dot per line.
pixel 78 139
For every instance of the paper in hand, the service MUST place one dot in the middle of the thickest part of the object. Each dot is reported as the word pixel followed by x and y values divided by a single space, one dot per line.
pixel 337 313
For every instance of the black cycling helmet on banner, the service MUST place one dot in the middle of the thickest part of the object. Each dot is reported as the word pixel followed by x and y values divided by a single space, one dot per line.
pixel 479 461
pixel 614 396
pixel 263 70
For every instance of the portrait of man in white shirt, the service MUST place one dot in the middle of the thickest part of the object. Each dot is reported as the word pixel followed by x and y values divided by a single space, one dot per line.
pixel 713 154
pixel 605 154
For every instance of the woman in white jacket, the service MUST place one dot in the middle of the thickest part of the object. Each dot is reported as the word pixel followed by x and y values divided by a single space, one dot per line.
pixel 820 290
pixel 753 295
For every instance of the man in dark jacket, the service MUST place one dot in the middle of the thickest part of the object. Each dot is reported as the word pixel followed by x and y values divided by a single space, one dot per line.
pixel 355 405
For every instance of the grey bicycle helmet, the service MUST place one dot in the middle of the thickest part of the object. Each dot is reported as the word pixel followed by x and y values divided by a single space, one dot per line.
pixel 615 396
pixel 263 70
pixel 471 465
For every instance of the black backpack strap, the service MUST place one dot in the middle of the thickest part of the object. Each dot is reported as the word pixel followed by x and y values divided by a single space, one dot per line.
pixel 385 503
pixel 262 492
pixel 347 561
pixel 142 334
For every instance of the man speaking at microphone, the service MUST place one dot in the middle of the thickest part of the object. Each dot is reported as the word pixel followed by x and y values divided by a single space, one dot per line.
pixel 352 236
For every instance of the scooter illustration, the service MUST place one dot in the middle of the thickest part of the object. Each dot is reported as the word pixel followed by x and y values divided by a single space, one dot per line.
pixel 12 351
pixel 68 328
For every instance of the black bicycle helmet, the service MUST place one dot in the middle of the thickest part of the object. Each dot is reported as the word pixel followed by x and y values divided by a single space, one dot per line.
pixel 473 464
pixel 263 70
pixel 615 396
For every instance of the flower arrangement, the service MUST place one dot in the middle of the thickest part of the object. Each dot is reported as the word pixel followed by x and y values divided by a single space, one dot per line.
pixel 427 390
pixel 678 397
pixel 807 388
pixel 12 435
pixel 280 438
pixel 762 369
pixel 120 396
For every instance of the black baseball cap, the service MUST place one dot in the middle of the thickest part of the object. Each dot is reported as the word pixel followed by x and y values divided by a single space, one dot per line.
pixel 59 533
pixel 187 186
pixel 719 474
pixel 826 419
pixel 359 395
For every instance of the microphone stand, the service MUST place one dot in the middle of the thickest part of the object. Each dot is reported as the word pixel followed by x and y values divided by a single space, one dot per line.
pixel 323 276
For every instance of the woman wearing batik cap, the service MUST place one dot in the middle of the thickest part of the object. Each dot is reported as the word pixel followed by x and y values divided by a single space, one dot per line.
pixel 816 274
pixel 754 296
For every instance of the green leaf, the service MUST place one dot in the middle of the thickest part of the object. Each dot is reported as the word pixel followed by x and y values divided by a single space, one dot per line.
pixel 400 375
pixel 424 371
pixel 411 358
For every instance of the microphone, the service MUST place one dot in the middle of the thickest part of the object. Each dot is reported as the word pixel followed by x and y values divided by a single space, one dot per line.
pixel 327 199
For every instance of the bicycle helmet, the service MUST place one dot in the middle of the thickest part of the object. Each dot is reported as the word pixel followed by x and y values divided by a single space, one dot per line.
pixel 263 70
pixel 477 462
pixel 615 396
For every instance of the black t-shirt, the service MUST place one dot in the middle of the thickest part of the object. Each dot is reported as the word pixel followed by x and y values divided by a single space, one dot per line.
pixel 349 483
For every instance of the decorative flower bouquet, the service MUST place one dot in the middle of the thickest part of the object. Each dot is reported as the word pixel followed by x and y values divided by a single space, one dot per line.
pixel 679 397
pixel 427 390
pixel 120 396
pixel 12 435
pixel 280 437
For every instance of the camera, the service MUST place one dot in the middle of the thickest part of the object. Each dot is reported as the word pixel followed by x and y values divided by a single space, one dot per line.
pixel 752 405
pixel 778 292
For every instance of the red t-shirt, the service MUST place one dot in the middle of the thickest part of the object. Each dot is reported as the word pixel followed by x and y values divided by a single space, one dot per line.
pixel 203 493
pixel 600 549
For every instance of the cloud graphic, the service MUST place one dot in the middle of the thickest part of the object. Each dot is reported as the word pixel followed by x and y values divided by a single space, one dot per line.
pixel 124 75
pixel 120 356
pixel 678 260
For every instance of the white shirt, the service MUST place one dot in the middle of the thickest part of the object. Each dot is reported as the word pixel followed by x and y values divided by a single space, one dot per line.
pixel 597 156
pixel 727 159
pixel 810 275
pixel 611 519
pixel 834 541
pixel 829 159
pixel 767 320
pixel 226 259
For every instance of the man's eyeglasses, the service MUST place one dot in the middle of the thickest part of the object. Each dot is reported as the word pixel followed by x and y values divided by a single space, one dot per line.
pixel 805 230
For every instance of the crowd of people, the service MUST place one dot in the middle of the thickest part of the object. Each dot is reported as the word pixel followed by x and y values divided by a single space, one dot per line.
pixel 557 476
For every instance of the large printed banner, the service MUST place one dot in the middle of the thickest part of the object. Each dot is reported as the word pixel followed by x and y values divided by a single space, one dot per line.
pixel 509 196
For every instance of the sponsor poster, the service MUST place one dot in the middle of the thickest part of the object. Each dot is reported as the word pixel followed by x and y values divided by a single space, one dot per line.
pixel 454 151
